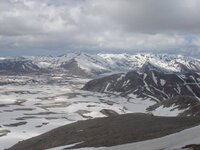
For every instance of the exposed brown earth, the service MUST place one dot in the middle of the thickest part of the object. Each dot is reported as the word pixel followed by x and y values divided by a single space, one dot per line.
pixel 109 131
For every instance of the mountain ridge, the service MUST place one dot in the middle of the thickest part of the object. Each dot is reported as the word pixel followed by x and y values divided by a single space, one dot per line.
pixel 92 65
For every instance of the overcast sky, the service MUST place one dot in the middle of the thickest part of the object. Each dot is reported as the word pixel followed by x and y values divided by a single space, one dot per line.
pixel 38 27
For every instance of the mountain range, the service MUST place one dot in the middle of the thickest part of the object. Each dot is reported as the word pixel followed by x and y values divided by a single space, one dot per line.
pixel 83 64
pixel 172 82
pixel 155 93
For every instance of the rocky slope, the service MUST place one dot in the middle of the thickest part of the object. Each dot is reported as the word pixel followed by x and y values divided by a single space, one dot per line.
pixel 173 90
pixel 103 132
pixel 149 82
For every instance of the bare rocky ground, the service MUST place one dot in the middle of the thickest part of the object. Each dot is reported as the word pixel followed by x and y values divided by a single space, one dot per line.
pixel 110 131
pixel 192 146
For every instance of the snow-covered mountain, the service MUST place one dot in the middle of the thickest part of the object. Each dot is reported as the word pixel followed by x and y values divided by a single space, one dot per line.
pixel 164 86
pixel 172 63
pixel 17 65
pixel 149 82
pixel 88 64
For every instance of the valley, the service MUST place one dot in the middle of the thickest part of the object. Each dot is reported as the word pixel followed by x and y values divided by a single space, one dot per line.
pixel 99 75
pixel 43 93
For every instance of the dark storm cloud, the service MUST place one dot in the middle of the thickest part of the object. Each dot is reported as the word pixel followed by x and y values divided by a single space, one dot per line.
pixel 170 26
pixel 154 16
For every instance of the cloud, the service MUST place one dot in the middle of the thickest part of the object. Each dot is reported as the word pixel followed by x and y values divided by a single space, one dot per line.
pixel 196 42
pixel 170 26
pixel 152 16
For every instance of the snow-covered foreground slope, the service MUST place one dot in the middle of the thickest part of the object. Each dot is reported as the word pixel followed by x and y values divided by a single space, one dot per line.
pixel 174 141
pixel 109 131
pixel 171 142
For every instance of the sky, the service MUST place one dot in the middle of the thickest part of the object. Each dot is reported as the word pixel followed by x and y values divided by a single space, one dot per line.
pixel 53 27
